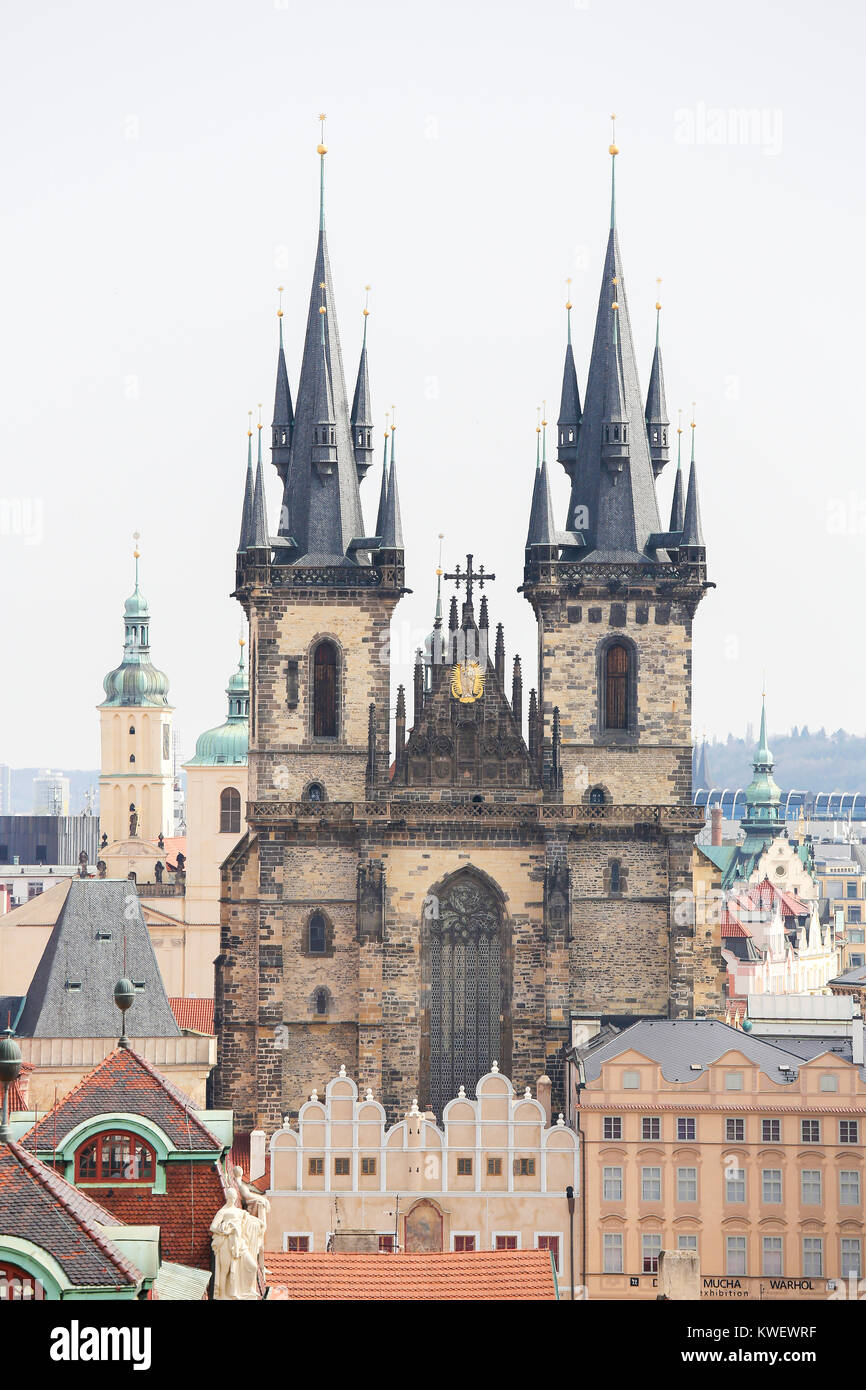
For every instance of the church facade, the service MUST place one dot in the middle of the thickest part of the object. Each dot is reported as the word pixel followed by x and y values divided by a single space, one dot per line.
pixel 419 920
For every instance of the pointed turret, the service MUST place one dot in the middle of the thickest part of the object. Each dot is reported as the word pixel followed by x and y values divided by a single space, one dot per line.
pixel 678 500
pixel 656 413
pixel 542 530
pixel 383 490
pixel 281 429
pixel 617 504
pixel 258 535
pixel 693 534
pixel 247 513
pixel 763 797
pixel 392 531
pixel 321 511
pixel 362 418
pixel 568 423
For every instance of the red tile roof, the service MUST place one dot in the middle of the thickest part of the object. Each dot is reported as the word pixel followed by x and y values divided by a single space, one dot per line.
pixel 731 924
pixel 196 1015
pixel 127 1083
pixel 473 1277
pixel 240 1158
pixel 37 1204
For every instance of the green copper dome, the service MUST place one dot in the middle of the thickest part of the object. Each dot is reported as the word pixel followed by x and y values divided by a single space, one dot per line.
pixel 136 681
pixel 227 744
pixel 763 795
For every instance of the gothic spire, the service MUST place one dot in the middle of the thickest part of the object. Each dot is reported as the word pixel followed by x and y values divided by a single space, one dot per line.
pixel 678 501
pixel 321 511
pixel 258 534
pixel 281 429
pixel 568 423
pixel 392 532
pixel 542 530
pixel 693 534
pixel 619 505
pixel 383 491
pixel 362 419
pixel 247 513
pixel 656 413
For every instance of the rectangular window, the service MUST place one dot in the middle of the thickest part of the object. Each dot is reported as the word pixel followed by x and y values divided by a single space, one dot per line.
pixel 771 1255
pixel 687 1184
pixel 464 1167
pixel 829 1081
pixel 851 1259
pixel 315 1167
pixel 612 1261
pixel 612 1184
pixel 849 1131
pixel 771 1185
pixel 849 1187
pixel 505 1243
pixel 686 1127
pixel 813 1256
pixel 524 1167
pixel 810 1187
pixel 613 1126
pixel 733 1081
pixel 550 1243
pixel 386 1245
pixel 651 1246
pixel 298 1244
pixel 631 1081
pixel 810 1131
pixel 341 1167
pixel 687 1242
pixel 735 1184
pixel 851 888
pixel 464 1243
pixel 651 1127
pixel 771 1131
pixel 651 1184
pixel 735 1255
pixel 854 913
pixel 368 1167
pixel 494 1167
pixel 292 682
pixel 858 936
pixel 735 1131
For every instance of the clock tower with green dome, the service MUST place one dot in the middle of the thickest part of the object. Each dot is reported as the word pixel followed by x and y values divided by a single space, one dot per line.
pixel 136 776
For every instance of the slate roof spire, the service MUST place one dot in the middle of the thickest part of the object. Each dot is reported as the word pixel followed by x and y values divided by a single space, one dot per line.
pixel 383 491
pixel 247 513
pixel 693 534
pixel 281 428
pixel 392 534
pixel 678 500
pixel 362 418
pixel 656 413
pixel 321 506
pixel 619 504
pixel 258 534
pixel 568 423
pixel 542 530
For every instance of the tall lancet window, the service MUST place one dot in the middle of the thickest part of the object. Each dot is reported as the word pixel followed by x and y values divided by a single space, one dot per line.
pixel 616 687
pixel 325 691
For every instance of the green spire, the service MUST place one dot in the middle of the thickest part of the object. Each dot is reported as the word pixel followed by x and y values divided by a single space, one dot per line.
pixel 322 150
pixel 763 756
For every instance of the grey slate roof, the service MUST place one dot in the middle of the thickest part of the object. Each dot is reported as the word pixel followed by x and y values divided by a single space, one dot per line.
pixel 856 976
pixel 542 529
pixel 86 947
pixel 569 405
pixel 675 1044
pixel 622 510
pixel 257 537
pixel 678 501
pixel 392 531
pixel 283 412
pixel 321 511
pixel 383 493
pixel 247 513
pixel 693 533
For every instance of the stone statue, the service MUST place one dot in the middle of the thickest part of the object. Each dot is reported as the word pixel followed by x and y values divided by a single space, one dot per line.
pixel 160 841
pixel 158 870
pixel 104 840
pixel 100 868
pixel 82 864
pixel 133 820
pixel 236 1238
pixel 255 1202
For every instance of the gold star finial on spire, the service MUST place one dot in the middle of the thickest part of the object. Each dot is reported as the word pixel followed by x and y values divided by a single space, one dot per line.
pixel 538 425
pixel 613 148
pixel 693 416
pixel 260 414
pixel 544 413
pixel 322 148
pixel 393 418
pixel 658 282
pixel 366 310
pixel 568 292
pixel 249 423
pixel 136 536
pixel 280 309
pixel 439 566
pixel 387 421
pixel 680 420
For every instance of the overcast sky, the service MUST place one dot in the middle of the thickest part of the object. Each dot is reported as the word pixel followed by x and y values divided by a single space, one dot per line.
pixel 160 180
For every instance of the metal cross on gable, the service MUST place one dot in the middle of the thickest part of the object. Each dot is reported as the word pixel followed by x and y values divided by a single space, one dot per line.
pixel 469 576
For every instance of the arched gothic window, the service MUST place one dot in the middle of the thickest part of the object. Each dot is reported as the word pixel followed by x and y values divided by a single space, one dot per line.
pixel 616 660
pixel 315 792
pixel 317 935
pixel 321 1002
pixel 325 691
pixel 615 876
pixel 230 811
pixel 596 797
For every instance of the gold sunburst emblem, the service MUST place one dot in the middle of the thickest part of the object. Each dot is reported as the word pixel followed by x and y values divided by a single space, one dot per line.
pixel 467 682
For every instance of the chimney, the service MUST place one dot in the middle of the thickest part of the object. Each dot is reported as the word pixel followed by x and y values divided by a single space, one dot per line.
pixel 257 1154
pixel 716 825
pixel 543 1088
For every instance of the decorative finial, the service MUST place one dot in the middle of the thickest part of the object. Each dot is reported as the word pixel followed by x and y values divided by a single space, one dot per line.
pixel 249 424
pixel 461 1093
pixel 366 309
pixel 494 1067
pixel 393 418
pixel 658 310
pixel 561 1121
pixel 342 1071
pixel 260 414
pixel 527 1094
pixel 544 431
pixel 439 566
pixel 679 420
pixel 321 148
pixel 368 1094
pixel 658 282
pixel 568 306
pixel 613 148
pixel 280 309
pixel 314 1095
pixel 693 428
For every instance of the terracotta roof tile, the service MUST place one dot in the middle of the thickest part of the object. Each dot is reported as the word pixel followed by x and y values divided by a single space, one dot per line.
pixel 125 1081
pixel 196 1015
pixel 479 1275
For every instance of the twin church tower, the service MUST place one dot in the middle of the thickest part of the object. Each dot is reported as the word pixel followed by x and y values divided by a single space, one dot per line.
pixel 511 869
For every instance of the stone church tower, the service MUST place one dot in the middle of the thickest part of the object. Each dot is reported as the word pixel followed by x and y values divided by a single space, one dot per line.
pixel 418 922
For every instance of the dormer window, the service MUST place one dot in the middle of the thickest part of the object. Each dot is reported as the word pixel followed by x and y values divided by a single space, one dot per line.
pixel 115 1157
